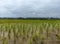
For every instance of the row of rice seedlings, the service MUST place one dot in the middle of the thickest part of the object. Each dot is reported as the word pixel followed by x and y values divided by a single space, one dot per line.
pixel 32 32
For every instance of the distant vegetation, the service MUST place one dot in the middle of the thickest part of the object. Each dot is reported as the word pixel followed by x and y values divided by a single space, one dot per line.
pixel 32 18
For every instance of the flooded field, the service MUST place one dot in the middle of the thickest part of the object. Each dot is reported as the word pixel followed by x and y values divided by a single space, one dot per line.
pixel 30 33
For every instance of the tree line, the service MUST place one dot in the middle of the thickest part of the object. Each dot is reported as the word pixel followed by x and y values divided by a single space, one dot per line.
pixel 33 18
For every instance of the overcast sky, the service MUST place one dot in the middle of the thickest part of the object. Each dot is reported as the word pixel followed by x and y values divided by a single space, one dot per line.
pixel 30 8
